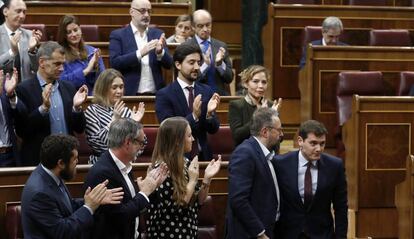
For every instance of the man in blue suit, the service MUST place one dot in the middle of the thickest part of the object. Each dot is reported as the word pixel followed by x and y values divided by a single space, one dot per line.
pixel 191 99
pixel 48 210
pixel 253 200
pixel 332 29
pixel 310 182
pixel 139 51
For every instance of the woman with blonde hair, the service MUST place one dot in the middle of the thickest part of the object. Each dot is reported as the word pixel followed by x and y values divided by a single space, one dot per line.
pixel 255 80
pixel 175 204
pixel 106 108
pixel 183 30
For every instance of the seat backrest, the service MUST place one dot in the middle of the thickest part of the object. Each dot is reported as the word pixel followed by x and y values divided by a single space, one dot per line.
pixel 221 143
pixel 296 1
pixel 391 37
pixel 40 27
pixel 90 33
pixel 151 133
pixel 206 220
pixel 312 33
pixel 84 151
pixel 13 220
pixel 368 2
pixel 405 83
pixel 355 82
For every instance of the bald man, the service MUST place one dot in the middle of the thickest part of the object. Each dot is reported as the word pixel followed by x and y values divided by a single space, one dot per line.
pixel 139 52
pixel 216 68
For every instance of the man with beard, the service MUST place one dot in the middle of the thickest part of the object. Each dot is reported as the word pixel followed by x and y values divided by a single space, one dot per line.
pixel 311 185
pixel 139 52
pixel 48 105
pixel 253 201
pixel 126 139
pixel 191 99
pixel 48 211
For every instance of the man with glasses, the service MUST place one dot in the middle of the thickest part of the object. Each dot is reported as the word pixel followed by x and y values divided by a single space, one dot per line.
pixel 253 200
pixel 139 52
pixel 48 105
pixel 125 139
pixel 216 69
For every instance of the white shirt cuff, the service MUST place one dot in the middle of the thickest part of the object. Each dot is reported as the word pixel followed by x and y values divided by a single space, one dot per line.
pixel 145 196
pixel 89 209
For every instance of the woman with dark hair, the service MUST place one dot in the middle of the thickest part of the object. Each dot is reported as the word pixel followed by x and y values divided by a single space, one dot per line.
pixel 254 81
pixel 175 203
pixel 183 30
pixel 106 108
pixel 83 62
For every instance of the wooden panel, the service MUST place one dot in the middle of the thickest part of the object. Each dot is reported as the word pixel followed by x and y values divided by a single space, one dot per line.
pixel 283 34
pixel 318 79
pixel 377 138
pixel 12 181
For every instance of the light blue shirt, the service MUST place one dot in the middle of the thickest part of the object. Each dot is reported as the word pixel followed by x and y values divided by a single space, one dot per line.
pixel 302 165
pixel 56 111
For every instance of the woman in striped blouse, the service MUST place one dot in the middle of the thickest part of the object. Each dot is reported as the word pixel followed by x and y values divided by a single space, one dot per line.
pixel 107 107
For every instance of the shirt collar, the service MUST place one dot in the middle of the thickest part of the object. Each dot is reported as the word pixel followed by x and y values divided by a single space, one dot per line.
pixel 121 166
pixel 323 42
pixel 184 84
pixel 200 41
pixel 264 149
pixel 42 82
pixel 9 32
pixel 55 178
pixel 303 161
pixel 134 29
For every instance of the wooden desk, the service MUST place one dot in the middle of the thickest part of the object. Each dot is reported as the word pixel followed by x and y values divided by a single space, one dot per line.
pixel 404 201
pixel 12 181
pixel 318 79
pixel 283 34
pixel 377 138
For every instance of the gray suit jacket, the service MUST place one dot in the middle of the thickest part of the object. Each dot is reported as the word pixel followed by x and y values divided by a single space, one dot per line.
pixel 27 61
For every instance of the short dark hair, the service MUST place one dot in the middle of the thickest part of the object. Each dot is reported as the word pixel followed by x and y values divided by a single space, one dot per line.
pixel 312 126
pixel 183 50
pixel 55 147
pixel 262 117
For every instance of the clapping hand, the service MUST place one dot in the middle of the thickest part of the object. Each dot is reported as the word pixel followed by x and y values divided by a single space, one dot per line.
pixel 14 41
pixel 212 168
pixel 160 44
pixel 193 170
pixel 80 96
pixel 220 56
pixel 118 109
pixel 277 104
pixel 10 82
pixel 213 104
pixel 35 39
pixel 137 114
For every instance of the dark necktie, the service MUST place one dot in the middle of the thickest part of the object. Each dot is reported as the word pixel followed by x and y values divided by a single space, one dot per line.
pixel 190 97
pixel 308 185
pixel 17 63
pixel 210 71
pixel 65 195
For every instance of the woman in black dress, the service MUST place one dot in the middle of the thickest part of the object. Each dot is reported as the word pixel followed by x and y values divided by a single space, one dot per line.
pixel 175 203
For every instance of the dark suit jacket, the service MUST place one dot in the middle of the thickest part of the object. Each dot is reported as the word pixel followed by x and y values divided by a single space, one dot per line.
pixel 315 43
pixel 8 115
pixel 45 213
pixel 114 221
pixel 170 101
pixel 222 78
pixel 316 221
pixel 252 200
pixel 122 56
pixel 32 126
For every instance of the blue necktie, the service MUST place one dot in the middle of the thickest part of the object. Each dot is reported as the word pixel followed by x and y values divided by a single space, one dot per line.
pixel 65 195
pixel 210 71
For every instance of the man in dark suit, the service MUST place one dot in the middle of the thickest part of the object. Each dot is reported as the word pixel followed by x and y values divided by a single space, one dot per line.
pixel 310 182
pixel 216 70
pixel 332 29
pixel 48 210
pixel 191 99
pixel 139 52
pixel 253 200
pixel 49 106
pixel 8 149
pixel 125 139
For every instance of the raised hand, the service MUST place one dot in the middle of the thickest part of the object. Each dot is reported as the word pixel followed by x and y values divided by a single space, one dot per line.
pixel 154 178
pixel 11 82
pixel 151 45
pixel 277 104
pixel 93 62
pixel 113 196
pixel 206 56
pixel 213 103
pixel 47 91
pixel 14 41
pixel 220 56
pixel 212 168
pixel 35 39
pixel 263 103
pixel 93 197
pixel 137 114
pixel 193 170
pixel 118 109
pixel 80 96
pixel 160 44
pixel 197 106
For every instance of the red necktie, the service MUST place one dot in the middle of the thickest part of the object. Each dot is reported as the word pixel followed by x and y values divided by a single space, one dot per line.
pixel 190 97
pixel 308 185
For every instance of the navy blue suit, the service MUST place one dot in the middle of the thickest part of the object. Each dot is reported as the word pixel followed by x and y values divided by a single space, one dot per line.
pixel 315 43
pixel 45 213
pixel 8 116
pixel 114 221
pixel 252 200
pixel 170 101
pixel 122 56
pixel 316 220
pixel 32 126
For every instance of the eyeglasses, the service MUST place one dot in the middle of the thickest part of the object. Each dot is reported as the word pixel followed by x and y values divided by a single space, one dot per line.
pixel 142 143
pixel 143 10
pixel 280 130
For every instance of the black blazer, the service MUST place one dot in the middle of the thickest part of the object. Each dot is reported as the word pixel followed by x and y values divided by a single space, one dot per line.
pixel 316 220
pixel 114 221
pixel 8 116
pixel 32 126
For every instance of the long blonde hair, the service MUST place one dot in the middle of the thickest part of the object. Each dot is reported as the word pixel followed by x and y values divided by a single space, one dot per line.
pixel 169 148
